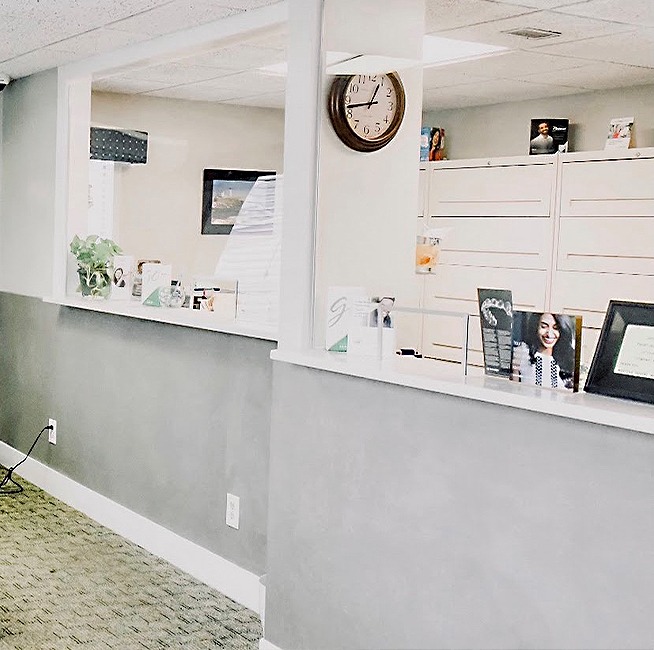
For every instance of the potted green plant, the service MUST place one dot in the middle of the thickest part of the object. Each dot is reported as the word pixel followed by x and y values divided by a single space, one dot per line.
pixel 94 260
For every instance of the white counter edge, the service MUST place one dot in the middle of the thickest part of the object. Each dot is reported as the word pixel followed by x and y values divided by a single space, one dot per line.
pixel 182 317
pixel 447 380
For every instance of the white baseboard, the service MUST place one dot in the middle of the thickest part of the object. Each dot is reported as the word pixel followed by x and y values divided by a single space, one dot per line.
pixel 230 579
pixel 266 645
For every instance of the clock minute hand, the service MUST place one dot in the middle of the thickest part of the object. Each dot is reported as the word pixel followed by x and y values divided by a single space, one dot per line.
pixel 368 104
pixel 372 99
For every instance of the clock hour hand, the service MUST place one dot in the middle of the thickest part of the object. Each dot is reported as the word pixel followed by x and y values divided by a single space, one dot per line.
pixel 368 104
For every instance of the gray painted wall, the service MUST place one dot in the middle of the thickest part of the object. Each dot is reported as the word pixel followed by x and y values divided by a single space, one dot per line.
pixel 503 129
pixel 164 420
pixel 404 519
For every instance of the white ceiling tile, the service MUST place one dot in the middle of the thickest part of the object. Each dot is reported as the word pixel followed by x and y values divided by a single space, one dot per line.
pixel 22 37
pixel 89 13
pixel 540 4
pixel 632 12
pixel 172 74
pixel 174 16
pixel 245 5
pixel 596 76
pixel 237 57
pixel 630 48
pixel 48 22
pixel 492 92
pixel 125 85
pixel 572 28
pixel 510 64
pixel 243 84
pixel 449 76
pixel 272 100
pixel 36 61
pixel 449 14
pixel 593 31
pixel 277 40
pixel 96 42
pixel 194 92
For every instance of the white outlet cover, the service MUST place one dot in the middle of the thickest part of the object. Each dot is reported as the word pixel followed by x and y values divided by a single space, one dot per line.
pixel 52 433
pixel 233 511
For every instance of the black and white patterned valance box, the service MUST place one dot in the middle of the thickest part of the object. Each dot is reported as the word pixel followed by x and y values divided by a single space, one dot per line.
pixel 119 145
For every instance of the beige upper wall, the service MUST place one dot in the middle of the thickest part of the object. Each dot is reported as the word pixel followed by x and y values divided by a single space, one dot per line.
pixel 159 204
pixel 503 129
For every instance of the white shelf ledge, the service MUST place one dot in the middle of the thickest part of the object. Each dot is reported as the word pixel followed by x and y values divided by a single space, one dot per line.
pixel 202 320
pixel 447 379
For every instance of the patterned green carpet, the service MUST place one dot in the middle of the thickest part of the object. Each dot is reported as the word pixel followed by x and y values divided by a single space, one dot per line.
pixel 68 582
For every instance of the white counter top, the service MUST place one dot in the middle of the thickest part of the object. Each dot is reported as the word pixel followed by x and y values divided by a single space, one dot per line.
pixel 203 320
pixel 447 379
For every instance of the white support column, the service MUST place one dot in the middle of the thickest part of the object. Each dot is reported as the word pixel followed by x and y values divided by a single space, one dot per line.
pixel 72 174
pixel 301 144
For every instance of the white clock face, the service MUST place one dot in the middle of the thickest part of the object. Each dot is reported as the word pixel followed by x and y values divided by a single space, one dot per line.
pixel 371 103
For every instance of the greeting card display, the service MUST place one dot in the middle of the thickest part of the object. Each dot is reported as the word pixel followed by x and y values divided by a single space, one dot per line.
pixel 496 315
pixel 155 276
pixel 619 135
pixel 121 279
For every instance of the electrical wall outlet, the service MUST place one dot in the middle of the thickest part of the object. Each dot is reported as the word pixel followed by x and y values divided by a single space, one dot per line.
pixel 52 433
pixel 232 513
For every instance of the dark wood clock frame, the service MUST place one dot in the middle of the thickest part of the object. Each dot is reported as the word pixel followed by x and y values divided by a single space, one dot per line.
pixel 337 114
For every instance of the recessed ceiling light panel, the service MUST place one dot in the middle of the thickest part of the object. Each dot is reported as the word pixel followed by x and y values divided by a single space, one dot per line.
pixel 443 51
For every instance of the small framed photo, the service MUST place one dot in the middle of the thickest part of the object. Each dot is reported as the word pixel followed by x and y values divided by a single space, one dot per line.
pixel 623 363
pixel 548 135
pixel 546 349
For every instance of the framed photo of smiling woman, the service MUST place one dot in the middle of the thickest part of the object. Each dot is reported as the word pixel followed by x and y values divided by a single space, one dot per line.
pixel 546 349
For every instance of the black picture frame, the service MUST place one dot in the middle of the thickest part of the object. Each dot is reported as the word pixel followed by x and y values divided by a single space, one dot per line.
pixel 558 130
pixel 612 371
pixel 233 187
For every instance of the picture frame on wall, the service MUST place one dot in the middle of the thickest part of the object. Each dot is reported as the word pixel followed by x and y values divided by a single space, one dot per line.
pixel 224 192
pixel 623 363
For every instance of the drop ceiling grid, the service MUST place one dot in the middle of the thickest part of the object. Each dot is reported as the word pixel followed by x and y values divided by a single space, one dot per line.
pixel 41 35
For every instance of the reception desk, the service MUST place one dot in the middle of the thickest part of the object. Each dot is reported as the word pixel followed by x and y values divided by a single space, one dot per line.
pixel 454 513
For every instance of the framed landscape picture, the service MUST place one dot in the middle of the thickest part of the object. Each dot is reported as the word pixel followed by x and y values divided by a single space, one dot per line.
pixel 623 363
pixel 224 191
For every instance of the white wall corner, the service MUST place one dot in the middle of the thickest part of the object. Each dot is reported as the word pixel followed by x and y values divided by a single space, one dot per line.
pixel 266 645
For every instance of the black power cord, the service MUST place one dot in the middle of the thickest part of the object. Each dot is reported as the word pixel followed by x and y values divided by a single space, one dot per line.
pixel 5 491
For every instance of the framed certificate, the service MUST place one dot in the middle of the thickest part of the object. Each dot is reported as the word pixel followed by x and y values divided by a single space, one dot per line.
pixel 623 363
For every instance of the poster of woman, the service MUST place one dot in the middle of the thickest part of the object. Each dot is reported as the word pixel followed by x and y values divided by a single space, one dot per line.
pixel 437 144
pixel 546 349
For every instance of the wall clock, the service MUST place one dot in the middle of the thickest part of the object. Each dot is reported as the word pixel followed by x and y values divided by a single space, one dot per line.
pixel 366 111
